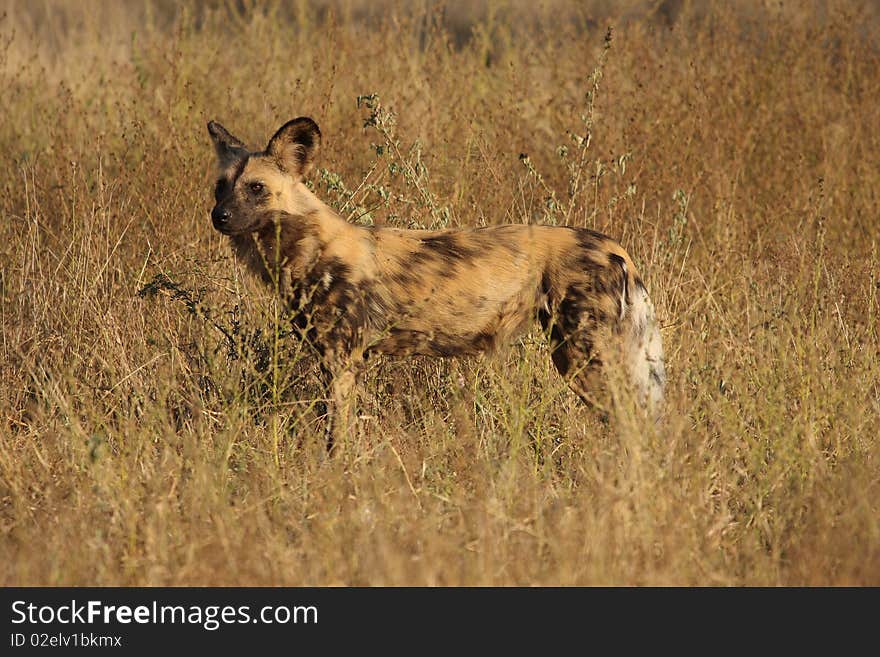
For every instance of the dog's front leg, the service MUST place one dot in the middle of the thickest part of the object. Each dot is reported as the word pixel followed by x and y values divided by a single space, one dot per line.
pixel 342 388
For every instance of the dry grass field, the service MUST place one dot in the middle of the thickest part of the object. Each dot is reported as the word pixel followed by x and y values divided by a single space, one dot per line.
pixel 157 420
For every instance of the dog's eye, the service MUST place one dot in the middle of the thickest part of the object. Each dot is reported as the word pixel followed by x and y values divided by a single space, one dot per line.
pixel 256 187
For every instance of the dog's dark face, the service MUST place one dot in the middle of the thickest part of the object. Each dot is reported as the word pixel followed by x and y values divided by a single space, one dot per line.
pixel 253 187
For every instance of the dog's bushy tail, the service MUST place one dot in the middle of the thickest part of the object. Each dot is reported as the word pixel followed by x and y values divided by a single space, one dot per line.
pixel 642 344
pixel 644 349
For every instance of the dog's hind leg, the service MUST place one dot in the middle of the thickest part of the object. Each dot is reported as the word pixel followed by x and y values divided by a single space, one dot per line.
pixel 597 350
pixel 574 354
pixel 578 363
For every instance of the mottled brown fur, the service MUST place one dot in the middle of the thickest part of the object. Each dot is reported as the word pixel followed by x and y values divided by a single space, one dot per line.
pixel 355 290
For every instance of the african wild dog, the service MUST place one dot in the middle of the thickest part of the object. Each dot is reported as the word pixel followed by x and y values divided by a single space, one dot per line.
pixel 354 290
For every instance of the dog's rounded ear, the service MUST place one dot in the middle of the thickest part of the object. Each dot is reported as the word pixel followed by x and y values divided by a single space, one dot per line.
pixel 295 145
pixel 228 148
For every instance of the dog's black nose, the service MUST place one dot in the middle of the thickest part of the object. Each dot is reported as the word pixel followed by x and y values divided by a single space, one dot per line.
pixel 220 217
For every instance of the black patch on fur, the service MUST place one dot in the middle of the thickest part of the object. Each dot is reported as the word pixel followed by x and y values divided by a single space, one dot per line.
pixel 239 168
pixel 225 186
pixel 422 257
pixel 558 349
pixel 448 247
pixel 623 297
pixel 546 284
pixel 586 263
pixel 488 238
pixel 560 358
pixel 221 189
pixel 459 345
pixel 656 377
pixel 589 239
pixel 444 346
pixel 330 313
pixel 569 340
pixel 405 278
pixel 483 340
pixel 571 308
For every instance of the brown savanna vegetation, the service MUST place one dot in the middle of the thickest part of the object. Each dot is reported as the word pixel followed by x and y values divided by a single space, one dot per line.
pixel 158 422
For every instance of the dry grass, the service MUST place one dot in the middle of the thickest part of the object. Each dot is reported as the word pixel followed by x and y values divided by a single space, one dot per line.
pixel 168 437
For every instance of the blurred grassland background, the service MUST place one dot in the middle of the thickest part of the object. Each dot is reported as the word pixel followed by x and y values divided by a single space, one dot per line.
pixel 157 422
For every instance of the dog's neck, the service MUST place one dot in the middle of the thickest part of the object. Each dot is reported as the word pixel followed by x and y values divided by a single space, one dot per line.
pixel 294 242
